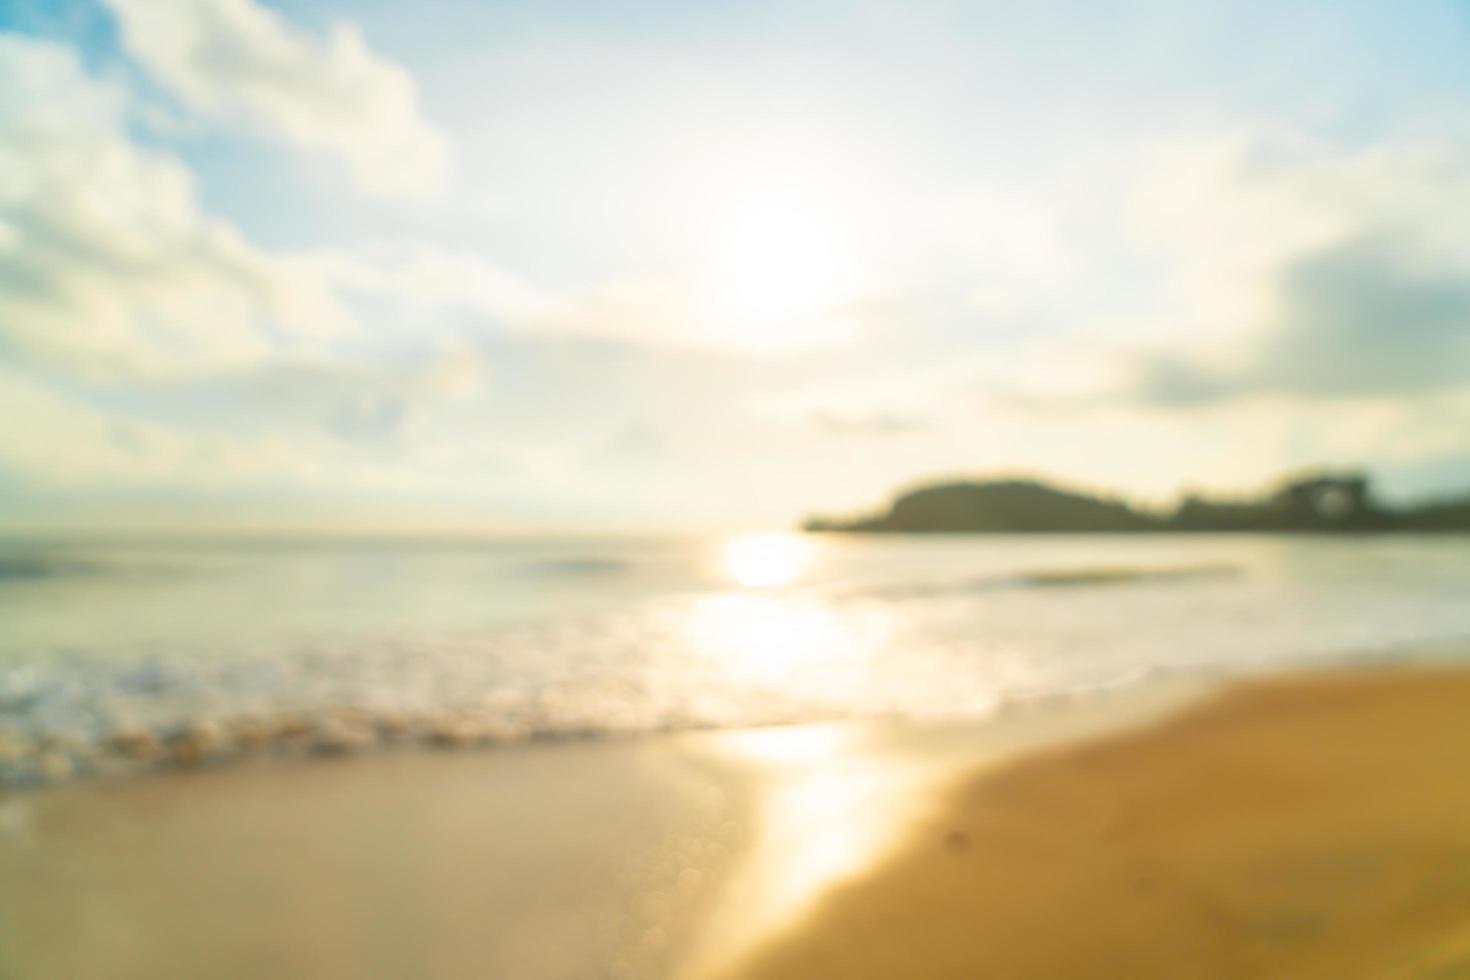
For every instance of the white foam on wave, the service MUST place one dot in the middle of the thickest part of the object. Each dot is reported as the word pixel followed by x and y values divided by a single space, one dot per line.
pixel 897 631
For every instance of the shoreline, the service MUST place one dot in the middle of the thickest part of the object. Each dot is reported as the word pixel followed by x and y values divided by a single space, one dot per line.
pixel 1299 825
pixel 57 760
pixel 787 851
pixel 639 857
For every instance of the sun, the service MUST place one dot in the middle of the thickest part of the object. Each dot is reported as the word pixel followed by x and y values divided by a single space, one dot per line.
pixel 780 263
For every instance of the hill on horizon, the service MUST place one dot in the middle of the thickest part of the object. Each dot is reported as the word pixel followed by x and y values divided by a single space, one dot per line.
pixel 1322 502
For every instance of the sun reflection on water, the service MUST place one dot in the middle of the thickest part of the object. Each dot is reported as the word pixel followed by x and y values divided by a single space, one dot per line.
pixel 770 640
pixel 827 803
pixel 765 561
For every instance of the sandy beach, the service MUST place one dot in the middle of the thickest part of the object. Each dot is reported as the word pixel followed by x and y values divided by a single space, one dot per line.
pixel 1299 826
pixel 543 861
pixel 1310 826
pixel 650 857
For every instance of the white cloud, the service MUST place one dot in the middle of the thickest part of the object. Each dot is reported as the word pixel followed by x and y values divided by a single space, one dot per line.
pixel 238 62
pixel 421 274
pixel 112 266
pixel 58 443
pixel 1303 270
pixel 1253 261
pixel 117 289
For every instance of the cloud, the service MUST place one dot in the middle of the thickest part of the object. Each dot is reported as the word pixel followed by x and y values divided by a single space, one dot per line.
pixel 1264 263
pixel 107 262
pixel 238 62
pixel 144 342
pixel 364 402
pixel 110 266
pixel 430 278
pixel 60 443
pixel 1362 318
pixel 880 423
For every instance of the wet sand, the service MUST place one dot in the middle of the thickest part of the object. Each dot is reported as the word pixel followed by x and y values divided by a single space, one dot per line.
pixel 1311 826
pixel 558 861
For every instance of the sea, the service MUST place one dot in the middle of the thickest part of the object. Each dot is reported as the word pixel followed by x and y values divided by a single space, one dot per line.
pixel 141 653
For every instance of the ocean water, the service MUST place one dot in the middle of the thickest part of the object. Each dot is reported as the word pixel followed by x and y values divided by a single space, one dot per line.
pixel 142 653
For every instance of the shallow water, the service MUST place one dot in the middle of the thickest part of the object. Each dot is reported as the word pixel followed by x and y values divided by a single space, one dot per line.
pixel 513 639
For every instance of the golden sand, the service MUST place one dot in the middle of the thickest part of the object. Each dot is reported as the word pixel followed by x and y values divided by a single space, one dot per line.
pixel 1314 826
pixel 1307 827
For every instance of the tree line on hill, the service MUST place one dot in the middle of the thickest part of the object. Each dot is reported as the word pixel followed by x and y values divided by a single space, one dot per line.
pixel 1320 503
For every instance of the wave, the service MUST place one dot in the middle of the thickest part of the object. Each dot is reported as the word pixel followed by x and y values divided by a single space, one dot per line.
pixel 589 567
pixel 32 757
pixel 1122 575
pixel 1047 578
pixel 105 740
pixel 31 568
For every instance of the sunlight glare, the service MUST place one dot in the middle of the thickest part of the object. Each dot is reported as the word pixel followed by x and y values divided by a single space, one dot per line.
pixel 800 745
pixel 765 561
pixel 830 807
pixel 780 262
pixel 771 640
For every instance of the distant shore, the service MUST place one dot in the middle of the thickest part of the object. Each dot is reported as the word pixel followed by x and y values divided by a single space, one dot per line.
pixel 1326 503
pixel 1306 826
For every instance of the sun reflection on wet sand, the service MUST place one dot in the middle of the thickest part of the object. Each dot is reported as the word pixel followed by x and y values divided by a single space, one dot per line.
pixel 831 801
pixel 828 808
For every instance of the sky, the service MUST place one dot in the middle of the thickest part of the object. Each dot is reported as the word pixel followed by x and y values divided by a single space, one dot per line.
pixel 637 264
